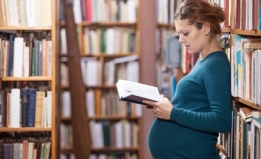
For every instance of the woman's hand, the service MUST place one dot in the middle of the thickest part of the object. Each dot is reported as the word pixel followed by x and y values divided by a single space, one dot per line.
pixel 161 109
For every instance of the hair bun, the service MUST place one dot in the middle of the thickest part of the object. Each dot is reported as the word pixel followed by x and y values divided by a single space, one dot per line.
pixel 219 12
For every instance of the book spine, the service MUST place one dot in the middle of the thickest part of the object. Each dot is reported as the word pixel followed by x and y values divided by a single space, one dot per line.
pixel 24 107
pixel 31 106
pixel 10 62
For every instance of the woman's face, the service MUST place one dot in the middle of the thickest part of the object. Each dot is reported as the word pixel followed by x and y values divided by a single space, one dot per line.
pixel 193 39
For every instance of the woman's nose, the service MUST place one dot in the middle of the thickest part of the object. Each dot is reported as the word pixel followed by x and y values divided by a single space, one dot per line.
pixel 181 39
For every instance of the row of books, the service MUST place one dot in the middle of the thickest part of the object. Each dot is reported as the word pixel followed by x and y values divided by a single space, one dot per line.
pixel 116 40
pixel 102 103
pixel 116 155
pixel 245 69
pixel 25 149
pixel 112 10
pixel 97 73
pixel 22 58
pixel 247 14
pixel 110 155
pixel 26 107
pixel 243 140
pixel 25 13
pixel 104 133
pixel 120 134
pixel 165 10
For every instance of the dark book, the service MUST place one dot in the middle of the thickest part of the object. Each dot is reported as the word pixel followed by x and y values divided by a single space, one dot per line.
pixel 136 92
pixel 1 148
pixel 24 97
pixel 106 132
pixel 31 106
pixel 5 109
pixel 40 59
pixel 36 55
pixel 1 107
pixel 11 54
pixel 5 151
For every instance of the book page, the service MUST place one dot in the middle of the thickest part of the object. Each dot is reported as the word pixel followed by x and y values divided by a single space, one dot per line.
pixel 142 90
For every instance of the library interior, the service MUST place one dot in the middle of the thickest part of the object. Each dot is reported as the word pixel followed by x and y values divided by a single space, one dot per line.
pixel 74 75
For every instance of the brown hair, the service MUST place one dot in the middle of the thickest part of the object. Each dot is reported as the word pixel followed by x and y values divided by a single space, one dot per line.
pixel 198 12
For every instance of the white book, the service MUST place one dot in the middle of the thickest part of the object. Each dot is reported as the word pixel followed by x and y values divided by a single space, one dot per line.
pixel 90 103
pixel 136 92
pixel 26 62
pixel 110 36
pixel 132 10
pixel 30 150
pixel 66 104
pixel 92 156
pixel 30 13
pixel 49 66
pixel 77 11
pixel 64 42
pixel 132 70
pixel 102 156
pixel 23 13
pixel 15 108
pixel 18 57
pixel 46 13
pixel 119 134
pixel 49 109
pixel 38 12
pixel 127 133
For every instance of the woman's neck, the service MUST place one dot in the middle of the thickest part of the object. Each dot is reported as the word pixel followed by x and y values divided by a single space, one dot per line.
pixel 210 48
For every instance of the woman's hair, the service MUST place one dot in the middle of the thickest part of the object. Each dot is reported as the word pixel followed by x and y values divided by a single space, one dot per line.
pixel 197 12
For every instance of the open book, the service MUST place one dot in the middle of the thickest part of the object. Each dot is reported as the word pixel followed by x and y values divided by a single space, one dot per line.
pixel 136 92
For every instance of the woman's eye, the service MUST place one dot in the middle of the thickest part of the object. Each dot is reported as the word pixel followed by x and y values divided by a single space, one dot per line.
pixel 185 34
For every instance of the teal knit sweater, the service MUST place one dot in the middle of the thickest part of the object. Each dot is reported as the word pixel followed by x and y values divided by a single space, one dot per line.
pixel 202 109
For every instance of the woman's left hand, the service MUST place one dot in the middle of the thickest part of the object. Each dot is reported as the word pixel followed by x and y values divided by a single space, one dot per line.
pixel 161 109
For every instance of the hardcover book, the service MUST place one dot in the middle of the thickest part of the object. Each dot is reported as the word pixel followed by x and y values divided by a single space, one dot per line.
pixel 136 92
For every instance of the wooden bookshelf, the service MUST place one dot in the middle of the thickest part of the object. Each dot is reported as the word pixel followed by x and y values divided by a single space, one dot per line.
pixel 103 57
pixel 19 30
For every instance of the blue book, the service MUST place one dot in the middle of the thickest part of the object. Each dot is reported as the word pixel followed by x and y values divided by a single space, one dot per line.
pixel 31 106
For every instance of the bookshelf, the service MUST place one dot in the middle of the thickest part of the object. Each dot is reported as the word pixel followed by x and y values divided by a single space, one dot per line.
pixel 245 24
pixel 14 23
pixel 109 119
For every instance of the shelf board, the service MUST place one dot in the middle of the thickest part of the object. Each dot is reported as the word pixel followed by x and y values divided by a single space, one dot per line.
pixel 24 129
pixel 105 55
pixel 108 24
pixel 246 32
pixel 36 78
pixel 225 30
pixel 114 149
pixel 248 103
pixel 8 28
pixel 104 118
pixel 92 87
pixel 166 26
pixel 104 24
pixel 68 150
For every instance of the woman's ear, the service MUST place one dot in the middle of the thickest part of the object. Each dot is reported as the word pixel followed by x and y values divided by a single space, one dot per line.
pixel 206 28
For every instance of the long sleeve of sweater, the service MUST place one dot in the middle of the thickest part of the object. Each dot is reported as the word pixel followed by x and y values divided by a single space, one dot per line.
pixel 203 97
